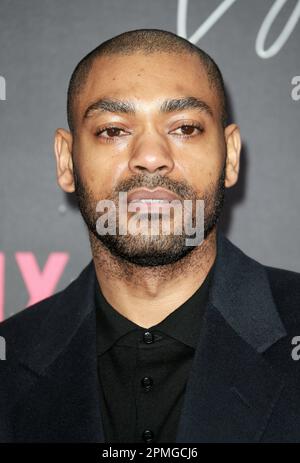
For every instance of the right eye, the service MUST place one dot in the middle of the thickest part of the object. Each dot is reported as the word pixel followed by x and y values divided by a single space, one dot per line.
pixel 109 132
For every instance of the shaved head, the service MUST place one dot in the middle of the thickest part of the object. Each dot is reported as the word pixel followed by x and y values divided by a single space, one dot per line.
pixel 144 41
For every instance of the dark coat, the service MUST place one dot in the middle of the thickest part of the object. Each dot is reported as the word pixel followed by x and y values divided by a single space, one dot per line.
pixel 244 385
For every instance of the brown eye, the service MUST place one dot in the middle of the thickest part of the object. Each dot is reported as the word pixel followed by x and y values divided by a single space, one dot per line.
pixel 113 131
pixel 188 129
pixel 109 133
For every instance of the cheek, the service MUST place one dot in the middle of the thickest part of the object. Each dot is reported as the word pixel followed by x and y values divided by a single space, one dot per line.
pixel 101 168
pixel 94 172
pixel 203 168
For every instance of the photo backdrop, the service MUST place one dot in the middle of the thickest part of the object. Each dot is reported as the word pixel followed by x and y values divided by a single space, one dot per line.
pixel 43 242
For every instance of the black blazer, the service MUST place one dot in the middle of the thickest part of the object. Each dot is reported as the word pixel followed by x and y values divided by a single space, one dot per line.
pixel 244 385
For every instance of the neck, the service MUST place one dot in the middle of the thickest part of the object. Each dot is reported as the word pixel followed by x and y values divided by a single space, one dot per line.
pixel 147 295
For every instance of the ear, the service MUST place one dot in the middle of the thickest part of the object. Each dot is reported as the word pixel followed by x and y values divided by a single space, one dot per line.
pixel 64 163
pixel 233 144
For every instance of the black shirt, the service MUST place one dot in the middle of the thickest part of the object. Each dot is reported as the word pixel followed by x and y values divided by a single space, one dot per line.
pixel 143 372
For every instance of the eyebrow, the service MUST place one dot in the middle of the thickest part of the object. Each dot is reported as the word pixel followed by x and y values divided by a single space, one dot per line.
pixel 168 106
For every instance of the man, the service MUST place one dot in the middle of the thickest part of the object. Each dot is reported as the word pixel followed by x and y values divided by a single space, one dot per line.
pixel 157 340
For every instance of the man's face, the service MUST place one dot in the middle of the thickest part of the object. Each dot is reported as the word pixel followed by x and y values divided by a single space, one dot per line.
pixel 150 143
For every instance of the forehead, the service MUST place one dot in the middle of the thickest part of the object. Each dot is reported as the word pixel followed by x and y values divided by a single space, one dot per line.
pixel 148 78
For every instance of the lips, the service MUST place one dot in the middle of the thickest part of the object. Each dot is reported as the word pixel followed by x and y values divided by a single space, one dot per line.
pixel 157 195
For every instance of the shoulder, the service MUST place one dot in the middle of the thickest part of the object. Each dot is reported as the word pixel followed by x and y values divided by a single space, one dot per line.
pixel 20 327
pixel 283 277
pixel 285 288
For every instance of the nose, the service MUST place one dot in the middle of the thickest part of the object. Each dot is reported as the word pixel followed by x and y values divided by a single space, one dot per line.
pixel 151 154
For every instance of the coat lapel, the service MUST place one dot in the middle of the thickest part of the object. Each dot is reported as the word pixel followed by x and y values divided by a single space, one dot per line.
pixel 232 389
pixel 59 372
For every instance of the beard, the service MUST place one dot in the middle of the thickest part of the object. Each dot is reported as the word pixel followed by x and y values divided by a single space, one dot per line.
pixel 151 250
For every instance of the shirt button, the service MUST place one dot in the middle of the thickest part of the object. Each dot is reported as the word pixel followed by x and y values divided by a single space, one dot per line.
pixel 148 337
pixel 148 435
pixel 147 383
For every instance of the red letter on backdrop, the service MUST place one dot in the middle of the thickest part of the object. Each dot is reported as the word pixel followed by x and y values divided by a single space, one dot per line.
pixel 41 284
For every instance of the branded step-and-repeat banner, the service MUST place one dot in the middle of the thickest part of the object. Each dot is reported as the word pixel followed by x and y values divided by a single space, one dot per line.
pixel 43 242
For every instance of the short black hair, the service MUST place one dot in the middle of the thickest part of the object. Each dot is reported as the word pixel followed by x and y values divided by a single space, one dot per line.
pixel 146 41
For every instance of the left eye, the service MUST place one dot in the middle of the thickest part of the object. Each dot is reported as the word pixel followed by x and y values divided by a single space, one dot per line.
pixel 189 130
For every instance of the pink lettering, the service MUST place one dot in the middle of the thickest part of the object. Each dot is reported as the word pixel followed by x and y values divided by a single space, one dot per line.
pixel 41 284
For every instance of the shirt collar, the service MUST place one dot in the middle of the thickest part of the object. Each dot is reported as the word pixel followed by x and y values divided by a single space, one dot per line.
pixel 182 324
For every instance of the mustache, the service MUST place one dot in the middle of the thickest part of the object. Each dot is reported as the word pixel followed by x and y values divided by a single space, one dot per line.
pixel 181 188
